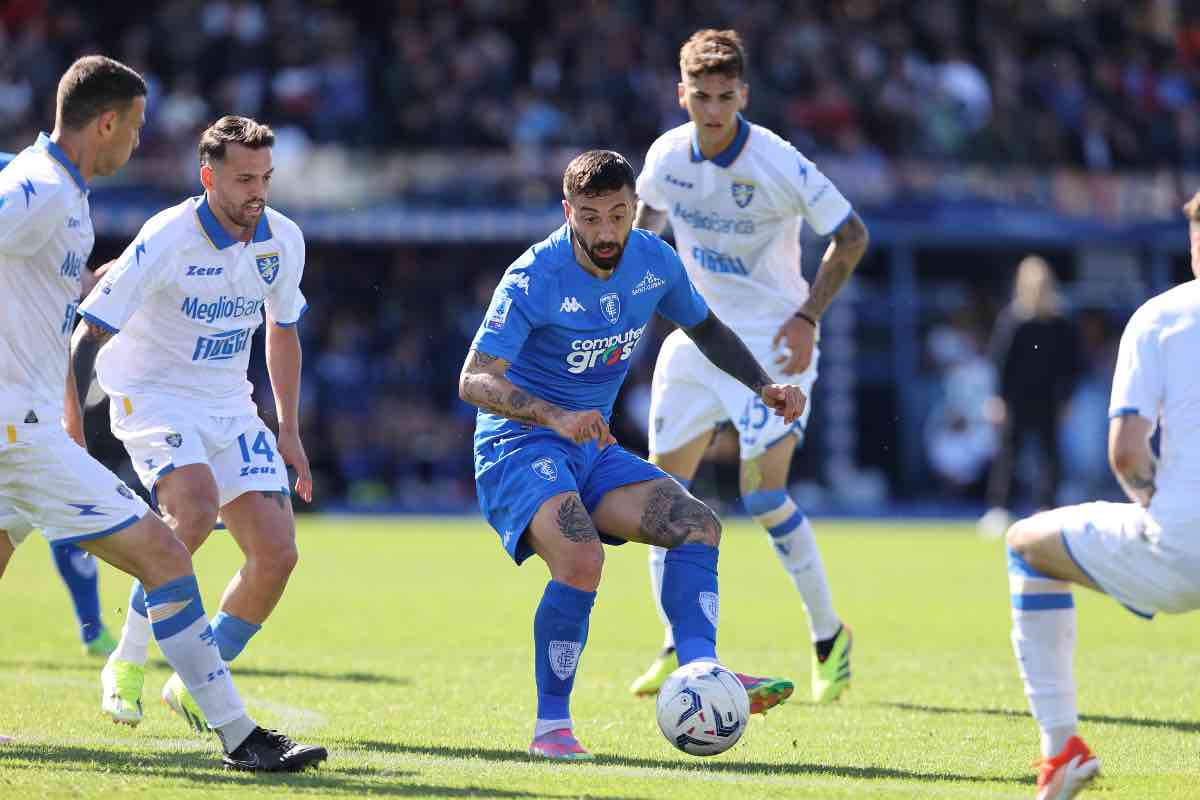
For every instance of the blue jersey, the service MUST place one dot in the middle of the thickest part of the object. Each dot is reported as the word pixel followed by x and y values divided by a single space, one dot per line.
pixel 567 334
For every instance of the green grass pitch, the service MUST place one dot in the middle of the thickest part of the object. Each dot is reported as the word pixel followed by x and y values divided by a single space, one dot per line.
pixel 403 645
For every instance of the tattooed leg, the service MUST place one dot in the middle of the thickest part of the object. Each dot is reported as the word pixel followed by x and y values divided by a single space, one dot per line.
pixel 563 534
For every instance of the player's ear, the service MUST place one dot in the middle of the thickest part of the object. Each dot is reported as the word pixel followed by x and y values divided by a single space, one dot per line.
pixel 106 122
pixel 745 95
pixel 206 177
pixel 566 209
pixel 681 90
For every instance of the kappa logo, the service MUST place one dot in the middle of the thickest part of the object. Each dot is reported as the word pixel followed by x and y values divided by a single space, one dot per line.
pixel 803 172
pixel 544 468
pixel 124 491
pixel 268 267
pixel 743 193
pixel 564 657
pixel 649 281
pixel 710 604
pixel 174 439
pixel 610 307
pixel 571 305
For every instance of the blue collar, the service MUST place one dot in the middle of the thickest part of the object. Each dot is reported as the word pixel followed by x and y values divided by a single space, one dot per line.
pixel 56 152
pixel 730 153
pixel 216 233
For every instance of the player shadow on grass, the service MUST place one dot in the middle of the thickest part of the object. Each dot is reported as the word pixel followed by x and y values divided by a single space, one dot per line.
pixel 238 670
pixel 691 765
pixel 1181 725
pixel 200 769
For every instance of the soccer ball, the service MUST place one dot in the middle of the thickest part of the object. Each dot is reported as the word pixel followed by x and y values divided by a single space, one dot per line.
pixel 703 709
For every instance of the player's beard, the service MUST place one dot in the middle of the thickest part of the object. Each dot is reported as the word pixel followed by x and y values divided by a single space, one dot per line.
pixel 607 263
pixel 245 217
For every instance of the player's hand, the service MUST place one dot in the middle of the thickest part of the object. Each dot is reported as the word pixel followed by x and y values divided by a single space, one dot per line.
pixel 800 336
pixel 583 426
pixel 786 400
pixel 88 279
pixel 292 452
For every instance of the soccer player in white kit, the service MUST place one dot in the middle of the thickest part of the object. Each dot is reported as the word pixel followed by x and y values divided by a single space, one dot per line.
pixel 1145 554
pixel 75 565
pixel 172 321
pixel 736 196
pixel 46 477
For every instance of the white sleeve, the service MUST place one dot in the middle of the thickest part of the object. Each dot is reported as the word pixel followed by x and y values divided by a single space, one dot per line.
pixel 649 186
pixel 139 272
pixel 286 304
pixel 30 212
pixel 815 197
pixel 1139 381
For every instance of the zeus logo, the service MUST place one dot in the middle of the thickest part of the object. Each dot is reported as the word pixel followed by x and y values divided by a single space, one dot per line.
pixel 193 269
pixel 222 346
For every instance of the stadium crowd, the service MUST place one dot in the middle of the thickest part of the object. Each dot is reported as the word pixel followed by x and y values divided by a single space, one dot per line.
pixel 1104 84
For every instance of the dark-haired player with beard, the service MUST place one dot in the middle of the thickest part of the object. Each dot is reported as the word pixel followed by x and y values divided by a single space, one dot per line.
pixel 544 370
pixel 168 329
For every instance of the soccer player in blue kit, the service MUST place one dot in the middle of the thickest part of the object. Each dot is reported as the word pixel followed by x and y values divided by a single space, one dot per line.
pixel 544 370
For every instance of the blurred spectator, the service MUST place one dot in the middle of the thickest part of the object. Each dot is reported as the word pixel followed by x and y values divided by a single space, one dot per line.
pixel 1036 355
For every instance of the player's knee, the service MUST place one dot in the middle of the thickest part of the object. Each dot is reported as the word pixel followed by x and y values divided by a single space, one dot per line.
pixel 581 568
pixel 1020 537
pixel 195 519
pixel 702 526
pixel 164 558
pixel 279 562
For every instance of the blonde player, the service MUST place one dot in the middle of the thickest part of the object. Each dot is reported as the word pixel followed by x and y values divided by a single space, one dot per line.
pixel 174 317
pixel 46 478
pixel 736 196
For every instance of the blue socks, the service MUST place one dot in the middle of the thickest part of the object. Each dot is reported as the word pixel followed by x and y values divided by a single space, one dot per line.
pixel 560 629
pixel 78 570
pixel 232 633
pixel 690 600
pixel 137 598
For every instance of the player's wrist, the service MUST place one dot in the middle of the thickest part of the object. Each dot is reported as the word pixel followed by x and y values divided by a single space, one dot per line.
pixel 808 316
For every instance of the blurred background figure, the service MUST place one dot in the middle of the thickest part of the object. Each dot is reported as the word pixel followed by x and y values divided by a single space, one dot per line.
pixel 1036 355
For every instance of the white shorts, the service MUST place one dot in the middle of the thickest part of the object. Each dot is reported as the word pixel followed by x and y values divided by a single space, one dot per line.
pixel 1132 558
pixel 49 482
pixel 160 436
pixel 690 397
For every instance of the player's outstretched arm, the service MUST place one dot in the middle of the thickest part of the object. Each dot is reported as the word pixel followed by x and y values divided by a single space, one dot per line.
pixel 483 384
pixel 649 219
pixel 1130 457
pixel 729 354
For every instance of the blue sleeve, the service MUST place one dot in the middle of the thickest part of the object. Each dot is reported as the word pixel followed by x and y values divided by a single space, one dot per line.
pixel 681 303
pixel 509 319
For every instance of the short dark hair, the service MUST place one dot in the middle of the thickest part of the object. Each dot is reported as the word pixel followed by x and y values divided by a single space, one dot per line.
pixel 93 85
pixel 1191 208
pixel 598 172
pixel 710 52
pixel 233 130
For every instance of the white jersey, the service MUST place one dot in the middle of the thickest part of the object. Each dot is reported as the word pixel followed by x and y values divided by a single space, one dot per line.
pixel 737 219
pixel 46 237
pixel 1156 378
pixel 186 299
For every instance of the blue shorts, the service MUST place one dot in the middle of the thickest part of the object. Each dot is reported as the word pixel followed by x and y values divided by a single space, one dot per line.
pixel 520 469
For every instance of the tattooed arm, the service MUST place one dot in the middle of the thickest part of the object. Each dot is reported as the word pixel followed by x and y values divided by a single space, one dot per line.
pixel 840 259
pixel 85 344
pixel 483 383
pixel 1130 457
pixel 729 354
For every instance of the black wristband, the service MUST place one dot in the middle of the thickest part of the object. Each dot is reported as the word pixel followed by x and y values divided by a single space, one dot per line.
pixel 806 318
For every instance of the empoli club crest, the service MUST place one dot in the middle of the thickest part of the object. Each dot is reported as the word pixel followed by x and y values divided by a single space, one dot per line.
pixel 268 267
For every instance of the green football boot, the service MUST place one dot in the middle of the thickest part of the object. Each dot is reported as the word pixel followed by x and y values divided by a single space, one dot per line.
pixel 180 700
pixel 121 684
pixel 831 676
pixel 650 681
